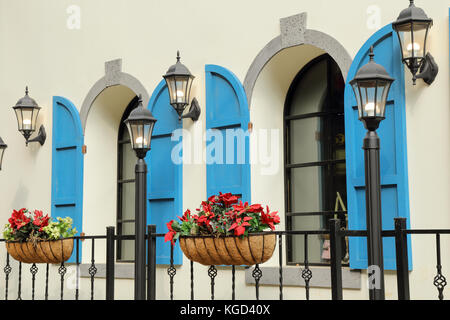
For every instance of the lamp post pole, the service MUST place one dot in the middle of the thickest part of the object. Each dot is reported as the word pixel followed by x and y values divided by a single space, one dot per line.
pixel 371 148
pixel 140 225
pixel 140 125
pixel 371 86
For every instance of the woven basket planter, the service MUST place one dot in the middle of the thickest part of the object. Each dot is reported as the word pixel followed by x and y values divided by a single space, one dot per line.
pixel 51 251
pixel 229 250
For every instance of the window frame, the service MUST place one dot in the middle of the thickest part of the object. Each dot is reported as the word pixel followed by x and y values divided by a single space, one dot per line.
pixel 120 142
pixel 286 153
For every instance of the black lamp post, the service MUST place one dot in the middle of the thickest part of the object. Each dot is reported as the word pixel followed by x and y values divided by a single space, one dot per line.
pixel 3 147
pixel 179 82
pixel 27 111
pixel 412 28
pixel 371 87
pixel 140 125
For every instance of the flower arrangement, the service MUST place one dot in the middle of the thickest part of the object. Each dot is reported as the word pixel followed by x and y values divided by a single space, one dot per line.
pixel 31 226
pixel 223 215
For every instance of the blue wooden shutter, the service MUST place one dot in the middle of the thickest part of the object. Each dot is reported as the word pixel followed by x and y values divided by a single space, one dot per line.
pixel 227 109
pixel 164 181
pixel 67 163
pixel 392 132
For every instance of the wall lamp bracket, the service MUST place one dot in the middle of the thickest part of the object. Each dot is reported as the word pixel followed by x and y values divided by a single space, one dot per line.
pixel 41 137
pixel 194 111
pixel 429 70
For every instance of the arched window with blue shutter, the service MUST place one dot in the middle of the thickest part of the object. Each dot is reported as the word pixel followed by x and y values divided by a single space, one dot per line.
pixel 227 116
pixel 393 156
pixel 165 177
pixel 67 163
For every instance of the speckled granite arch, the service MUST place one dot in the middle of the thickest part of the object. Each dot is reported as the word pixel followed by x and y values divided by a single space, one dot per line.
pixel 293 32
pixel 113 77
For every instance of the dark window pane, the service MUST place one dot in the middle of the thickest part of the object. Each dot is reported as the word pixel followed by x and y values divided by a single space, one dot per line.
pixel 311 92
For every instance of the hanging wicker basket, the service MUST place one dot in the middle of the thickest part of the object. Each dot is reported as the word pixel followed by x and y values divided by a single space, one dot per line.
pixel 229 250
pixel 43 251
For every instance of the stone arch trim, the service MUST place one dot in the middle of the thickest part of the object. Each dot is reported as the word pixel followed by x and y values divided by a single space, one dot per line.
pixel 113 77
pixel 294 33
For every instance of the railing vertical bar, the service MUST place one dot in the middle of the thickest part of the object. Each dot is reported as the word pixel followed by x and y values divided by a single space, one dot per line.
pixel 110 260
pixel 257 275
pixel 212 273
pixel 336 261
pixel 77 285
pixel 33 271
pixel 401 249
pixel 46 282
pixel 92 268
pixel 19 289
pixel 192 280
pixel 62 271
pixel 280 260
pixel 151 267
pixel 233 282
pixel 306 272
pixel 171 271
pixel 7 271
pixel 439 280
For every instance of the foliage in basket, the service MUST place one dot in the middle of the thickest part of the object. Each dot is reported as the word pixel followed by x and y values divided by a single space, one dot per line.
pixel 223 215
pixel 32 226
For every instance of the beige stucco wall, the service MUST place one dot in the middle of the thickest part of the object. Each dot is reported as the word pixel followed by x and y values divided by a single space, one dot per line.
pixel 39 50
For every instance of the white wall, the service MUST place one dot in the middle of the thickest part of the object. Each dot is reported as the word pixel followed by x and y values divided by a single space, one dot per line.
pixel 39 50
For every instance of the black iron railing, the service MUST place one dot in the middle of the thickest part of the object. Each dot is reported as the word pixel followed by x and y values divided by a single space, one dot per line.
pixel 335 233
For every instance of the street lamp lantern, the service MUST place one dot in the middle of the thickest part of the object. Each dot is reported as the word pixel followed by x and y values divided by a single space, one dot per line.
pixel 27 111
pixel 179 82
pixel 412 27
pixel 3 147
pixel 371 86
pixel 140 124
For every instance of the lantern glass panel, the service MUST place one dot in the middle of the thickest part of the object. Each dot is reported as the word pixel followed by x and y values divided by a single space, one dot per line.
pixel 179 89
pixel 140 133
pixel 371 96
pixel 413 39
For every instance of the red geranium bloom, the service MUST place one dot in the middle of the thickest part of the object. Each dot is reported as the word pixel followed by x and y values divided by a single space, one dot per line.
pixel 186 216
pixel 169 235
pixel 270 218
pixel 39 220
pixel 228 199
pixel 19 219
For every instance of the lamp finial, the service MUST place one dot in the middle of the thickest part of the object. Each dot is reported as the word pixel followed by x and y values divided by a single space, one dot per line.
pixel 178 56
pixel 26 90
pixel 371 54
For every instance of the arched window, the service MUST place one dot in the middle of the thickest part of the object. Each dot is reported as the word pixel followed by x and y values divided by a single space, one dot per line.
pixel 315 169
pixel 125 188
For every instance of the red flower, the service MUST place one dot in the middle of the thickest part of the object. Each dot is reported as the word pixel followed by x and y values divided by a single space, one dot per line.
pixel 228 199
pixel 239 229
pixel 169 235
pixel 19 219
pixel 270 218
pixel 186 215
pixel 39 220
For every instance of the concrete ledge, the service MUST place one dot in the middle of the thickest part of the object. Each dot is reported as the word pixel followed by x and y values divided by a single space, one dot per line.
pixel 122 271
pixel 292 276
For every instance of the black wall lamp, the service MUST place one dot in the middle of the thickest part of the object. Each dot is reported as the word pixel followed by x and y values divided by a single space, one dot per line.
pixel 3 147
pixel 179 82
pixel 27 111
pixel 412 28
